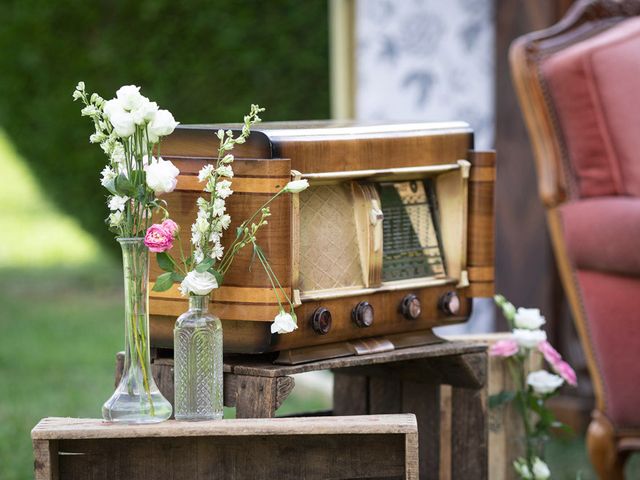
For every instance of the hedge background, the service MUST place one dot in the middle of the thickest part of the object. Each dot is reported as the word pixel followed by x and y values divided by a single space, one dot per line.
pixel 205 60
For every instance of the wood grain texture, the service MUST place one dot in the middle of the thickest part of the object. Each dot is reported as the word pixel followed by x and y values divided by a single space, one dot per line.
pixel 468 430
pixel 424 401
pixel 350 394
pixel 340 448
pixel 45 460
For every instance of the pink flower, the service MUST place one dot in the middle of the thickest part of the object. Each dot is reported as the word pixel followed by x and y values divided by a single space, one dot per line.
pixel 551 355
pixel 565 371
pixel 504 348
pixel 158 239
pixel 170 226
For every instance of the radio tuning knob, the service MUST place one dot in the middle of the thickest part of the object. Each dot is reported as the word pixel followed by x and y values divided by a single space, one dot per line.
pixel 410 307
pixel 449 303
pixel 321 321
pixel 362 314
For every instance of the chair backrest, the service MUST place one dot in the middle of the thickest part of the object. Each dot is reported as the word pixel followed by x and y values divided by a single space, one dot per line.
pixel 577 83
pixel 580 100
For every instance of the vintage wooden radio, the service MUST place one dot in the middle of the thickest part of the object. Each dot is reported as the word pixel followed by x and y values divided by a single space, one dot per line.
pixel 393 236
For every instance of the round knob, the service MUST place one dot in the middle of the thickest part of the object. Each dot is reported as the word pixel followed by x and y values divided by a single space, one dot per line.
pixel 410 307
pixel 449 303
pixel 362 314
pixel 321 321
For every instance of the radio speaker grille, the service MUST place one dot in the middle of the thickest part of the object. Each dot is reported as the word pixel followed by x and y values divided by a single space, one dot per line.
pixel 329 254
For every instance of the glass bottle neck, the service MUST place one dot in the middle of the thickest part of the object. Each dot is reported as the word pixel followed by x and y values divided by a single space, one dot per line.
pixel 199 303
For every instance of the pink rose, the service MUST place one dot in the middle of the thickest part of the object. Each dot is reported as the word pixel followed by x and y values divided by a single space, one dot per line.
pixel 565 371
pixel 504 348
pixel 158 239
pixel 551 355
pixel 170 226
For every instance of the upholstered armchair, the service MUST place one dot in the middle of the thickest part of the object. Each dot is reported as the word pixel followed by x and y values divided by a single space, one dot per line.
pixel 579 88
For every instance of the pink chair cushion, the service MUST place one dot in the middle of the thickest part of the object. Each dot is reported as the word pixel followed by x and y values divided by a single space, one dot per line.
pixel 611 303
pixel 594 86
pixel 603 234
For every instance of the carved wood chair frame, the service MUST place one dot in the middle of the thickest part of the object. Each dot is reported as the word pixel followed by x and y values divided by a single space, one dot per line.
pixel 608 446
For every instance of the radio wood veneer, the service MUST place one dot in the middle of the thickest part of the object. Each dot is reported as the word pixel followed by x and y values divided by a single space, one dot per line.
pixel 396 216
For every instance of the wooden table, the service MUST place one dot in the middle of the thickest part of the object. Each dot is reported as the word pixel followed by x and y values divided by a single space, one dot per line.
pixel 408 380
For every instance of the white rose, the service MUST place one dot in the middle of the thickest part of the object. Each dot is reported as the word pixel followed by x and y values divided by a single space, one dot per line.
pixel 123 123
pixel 198 283
pixel 112 106
pixel 544 382
pixel 129 97
pixel 161 176
pixel 296 186
pixel 540 470
pixel 145 112
pixel 528 338
pixel 117 202
pixel 283 323
pixel 528 318
pixel 161 125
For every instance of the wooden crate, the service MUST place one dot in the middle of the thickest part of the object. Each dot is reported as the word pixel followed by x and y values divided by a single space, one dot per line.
pixel 373 446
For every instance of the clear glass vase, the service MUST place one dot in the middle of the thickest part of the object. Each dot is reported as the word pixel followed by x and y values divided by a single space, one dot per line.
pixel 137 398
pixel 198 363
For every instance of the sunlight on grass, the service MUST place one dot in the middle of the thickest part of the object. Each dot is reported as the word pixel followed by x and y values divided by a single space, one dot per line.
pixel 34 232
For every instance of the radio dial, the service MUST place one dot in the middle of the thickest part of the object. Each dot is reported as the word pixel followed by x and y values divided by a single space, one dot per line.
pixel 449 303
pixel 410 307
pixel 321 321
pixel 362 314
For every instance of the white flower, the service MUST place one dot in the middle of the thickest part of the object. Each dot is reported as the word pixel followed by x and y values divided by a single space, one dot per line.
pixel 89 111
pixel 284 323
pixel 161 125
pixel 198 255
pixel 117 202
pixel 528 318
pixel 108 178
pixel 130 97
pixel 225 171
pixel 225 221
pixel 97 137
pixel 145 112
pixel 296 186
pixel 202 224
pixel 161 176
pixel 198 283
pixel 228 158
pixel 196 236
pixel 540 470
pixel 528 338
pixel 218 207
pixel 223 188
pixel 217 251
pixel 205 172
pixel 112 106
pixel 123 123
pixel 117 154
pixel 116 219
pixel 201 202
pixel 544 382
pixel 214 237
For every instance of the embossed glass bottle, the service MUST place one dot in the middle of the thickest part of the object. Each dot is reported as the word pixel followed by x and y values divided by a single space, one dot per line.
pixel 198 363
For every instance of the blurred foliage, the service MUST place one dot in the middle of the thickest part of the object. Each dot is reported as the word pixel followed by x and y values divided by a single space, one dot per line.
pixel 204 60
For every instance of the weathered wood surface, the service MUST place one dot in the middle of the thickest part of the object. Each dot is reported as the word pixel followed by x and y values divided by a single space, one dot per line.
pixel 383 446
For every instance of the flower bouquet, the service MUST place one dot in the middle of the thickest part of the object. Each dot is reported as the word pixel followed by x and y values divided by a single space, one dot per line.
pixel 129 129
pixel 198 335
pixel 532 389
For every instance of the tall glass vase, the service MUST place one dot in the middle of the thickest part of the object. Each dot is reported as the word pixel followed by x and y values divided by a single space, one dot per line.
pixel 198 363
pixel 137 398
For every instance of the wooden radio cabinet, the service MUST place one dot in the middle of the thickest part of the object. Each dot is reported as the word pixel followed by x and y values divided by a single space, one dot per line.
pixel 393 236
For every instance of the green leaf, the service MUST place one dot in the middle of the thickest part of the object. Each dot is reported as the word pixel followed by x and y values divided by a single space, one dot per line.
pixel 163 282
pixel 123 186
pixel 204 265
pixel 164 262
pixel 501 398
pixel 177 277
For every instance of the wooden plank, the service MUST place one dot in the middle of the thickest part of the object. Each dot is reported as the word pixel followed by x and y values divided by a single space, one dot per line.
pixel 256 397
pixel 258 367
pixel 58 428
pixel 350 394
pixel 445 432
pixel 45 464
pixel 423 400
pixel 469 434
pixel 385 395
